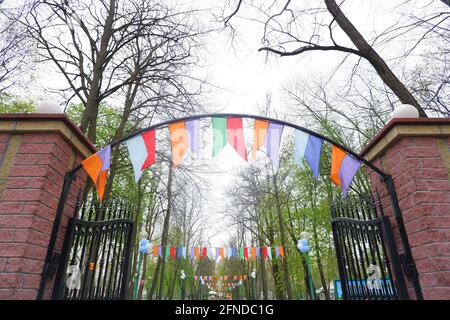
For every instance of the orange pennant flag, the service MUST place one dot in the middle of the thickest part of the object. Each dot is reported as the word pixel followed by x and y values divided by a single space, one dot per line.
pixel 259 135
pixel 178 139
pixel 222 253
pixel 97 167
pixel 253 253
pixel 281 250
pixel 155 251
pixel 197 253
pixel 337 155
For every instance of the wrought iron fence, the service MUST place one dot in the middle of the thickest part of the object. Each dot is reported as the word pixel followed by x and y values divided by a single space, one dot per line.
pixel 368 262
pixel 96 252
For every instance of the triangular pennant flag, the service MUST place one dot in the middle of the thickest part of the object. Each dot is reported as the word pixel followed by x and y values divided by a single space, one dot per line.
pixel 204 252
pixel 337 155
pixel 197 253
pixel 219 134
pixel 167 253
pixel 277 252
pixel 183 252
pixel 193 135
pixel 349 168
pixel 258 251
pixel 217 253
pixel 138 154
pixel 273 141
pixel 160 251
pixel 178 139
pixel 259 135
pixel 253 253
pixel 264 252
pixel 235 136
pixel 179 252
pixel 301 141
pixel 246 253
pixel 97 167
pixel 222 253
pixel 241 253
pixel 312 154
pixel 269 253
pixel 172 252
pixel 149 138
pixel 281 251
pixel 155 251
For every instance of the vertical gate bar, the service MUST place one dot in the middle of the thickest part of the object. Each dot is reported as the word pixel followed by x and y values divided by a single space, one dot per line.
pixel 379 239
pixel 399 276
pixel 127 261
pixel 58 287
pixel 355 228
pixel 68 178
pixel 403 236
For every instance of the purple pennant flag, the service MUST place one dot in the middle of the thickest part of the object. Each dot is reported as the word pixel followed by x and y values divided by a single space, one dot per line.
pixel 217 253
pixel 347 171
pixel 312 154
pixel 191 253
pixel 179 252
pixel 258 251
pixel 277 252
pixel 160 251
pixel 273 141
pixel 105 156
pixel 193 136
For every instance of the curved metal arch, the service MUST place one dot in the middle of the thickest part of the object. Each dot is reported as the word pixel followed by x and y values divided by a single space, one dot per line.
pixel 250 116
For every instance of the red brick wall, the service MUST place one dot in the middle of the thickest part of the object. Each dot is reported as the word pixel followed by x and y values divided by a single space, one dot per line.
pixel 420 170
pixel 28 205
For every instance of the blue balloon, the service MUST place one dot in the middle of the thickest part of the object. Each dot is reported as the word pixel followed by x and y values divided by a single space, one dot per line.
pixel 303 245
pixel 143 246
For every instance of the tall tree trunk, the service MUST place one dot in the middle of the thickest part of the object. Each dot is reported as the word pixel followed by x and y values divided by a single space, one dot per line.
pixel 287 283
pixel 166 228
pixel 319 263
pixel 89 119
pixel 383 70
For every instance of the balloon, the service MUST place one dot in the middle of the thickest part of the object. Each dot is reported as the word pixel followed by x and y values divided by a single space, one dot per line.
pixel 143 246
pixel 303 245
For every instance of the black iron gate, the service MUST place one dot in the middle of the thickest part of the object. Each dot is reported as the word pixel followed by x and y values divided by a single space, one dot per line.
pixel 96 252
pixel 368 261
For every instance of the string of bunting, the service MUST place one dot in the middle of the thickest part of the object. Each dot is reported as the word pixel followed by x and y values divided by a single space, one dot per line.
pixel 184 135
pixel 214 253
pixel 235 277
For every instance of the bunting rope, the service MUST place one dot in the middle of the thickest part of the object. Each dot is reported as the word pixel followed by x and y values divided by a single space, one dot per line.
pixel 214 253
pixel 184 135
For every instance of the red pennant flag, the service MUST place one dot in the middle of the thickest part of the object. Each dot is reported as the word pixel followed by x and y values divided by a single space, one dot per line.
pixel 246 253
pixel 150 144
pixel 172 252
pixel 264 252
pixel 204 252
pixel 235 136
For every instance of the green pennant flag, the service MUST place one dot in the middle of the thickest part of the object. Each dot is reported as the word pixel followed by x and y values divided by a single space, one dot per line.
pixel 219 134
pixel 241 253
pixel 167 252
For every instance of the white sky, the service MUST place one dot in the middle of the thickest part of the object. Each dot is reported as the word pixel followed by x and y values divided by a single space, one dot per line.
pixel 246 76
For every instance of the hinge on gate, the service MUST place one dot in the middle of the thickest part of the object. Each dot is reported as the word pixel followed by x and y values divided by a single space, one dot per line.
pixel 407 265
pixel 50 266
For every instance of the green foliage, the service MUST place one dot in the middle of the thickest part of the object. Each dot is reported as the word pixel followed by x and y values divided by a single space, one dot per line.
pixel 11 105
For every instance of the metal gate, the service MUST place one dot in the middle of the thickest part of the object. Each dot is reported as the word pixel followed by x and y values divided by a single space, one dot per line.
pixel 95 257
pixel 368 261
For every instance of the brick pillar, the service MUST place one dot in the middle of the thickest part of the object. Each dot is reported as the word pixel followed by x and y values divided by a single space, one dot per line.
pixel 36 150
pixel 416 153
